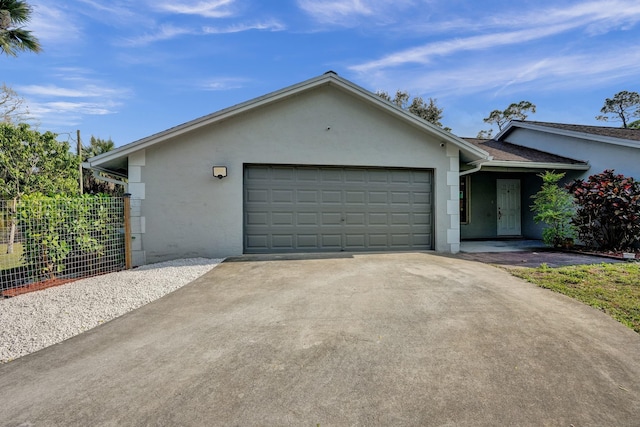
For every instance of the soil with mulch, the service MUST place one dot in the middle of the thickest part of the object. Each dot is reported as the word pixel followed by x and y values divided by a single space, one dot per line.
pixel 32 287
pixel 610 254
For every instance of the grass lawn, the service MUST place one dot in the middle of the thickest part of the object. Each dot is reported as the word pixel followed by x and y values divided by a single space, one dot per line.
pixel 612 288
pixel 8 261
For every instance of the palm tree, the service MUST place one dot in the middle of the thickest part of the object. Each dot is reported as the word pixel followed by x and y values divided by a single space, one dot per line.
pixel 13 37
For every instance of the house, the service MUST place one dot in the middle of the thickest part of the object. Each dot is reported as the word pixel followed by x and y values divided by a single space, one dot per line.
pixel 325 165
pixel 496 194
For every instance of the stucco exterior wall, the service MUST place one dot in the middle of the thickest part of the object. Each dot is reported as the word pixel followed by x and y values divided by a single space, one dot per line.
pixel 189 213
pixel 600 155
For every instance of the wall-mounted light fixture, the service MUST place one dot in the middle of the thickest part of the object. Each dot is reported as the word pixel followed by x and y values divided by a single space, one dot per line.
pixel 219 171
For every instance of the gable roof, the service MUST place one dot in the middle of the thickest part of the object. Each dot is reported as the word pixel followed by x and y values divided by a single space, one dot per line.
pixel 506 154
pixel 116 160
pixel 605 134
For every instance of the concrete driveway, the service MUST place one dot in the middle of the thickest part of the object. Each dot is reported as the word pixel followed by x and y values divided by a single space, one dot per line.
pixel 382 339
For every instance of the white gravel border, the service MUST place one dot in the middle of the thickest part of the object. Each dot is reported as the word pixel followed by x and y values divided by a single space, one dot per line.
pixel 36 320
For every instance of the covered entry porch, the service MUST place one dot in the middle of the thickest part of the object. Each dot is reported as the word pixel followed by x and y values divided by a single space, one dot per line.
pixel 496 195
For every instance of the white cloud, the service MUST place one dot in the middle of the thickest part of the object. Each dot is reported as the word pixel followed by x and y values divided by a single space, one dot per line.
pixel 52 25
pixel 592 17
pixel 164 32
pixel 332 11
pixel 86 91
pixel 425 54
pixel 224 83
pixel 350 12
pixel 72 94
pixel 603 15
pixel 76 108
pixel 168 32
pixel 207 9
pixel 237 28
pixel 512 74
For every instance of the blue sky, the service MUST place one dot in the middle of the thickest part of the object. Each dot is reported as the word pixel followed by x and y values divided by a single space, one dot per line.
pixel 125 69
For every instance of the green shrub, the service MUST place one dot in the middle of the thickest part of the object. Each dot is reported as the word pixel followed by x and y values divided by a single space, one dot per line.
pixel 59 229
pixel 554 206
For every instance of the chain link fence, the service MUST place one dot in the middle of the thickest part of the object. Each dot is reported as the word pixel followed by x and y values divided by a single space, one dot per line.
pixel 46 241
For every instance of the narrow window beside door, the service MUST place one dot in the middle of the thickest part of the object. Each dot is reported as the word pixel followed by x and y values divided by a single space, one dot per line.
pixel 464 199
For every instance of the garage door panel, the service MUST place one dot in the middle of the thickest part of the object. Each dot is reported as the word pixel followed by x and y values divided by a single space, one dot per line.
pixel 282 241
pixel 422 197
pixel 355 197
pixel 378 197
pixel 307 218
pixel 378 240
pixel 307 241
pixel 400 197
pixel 257 196
pixel 421 239
pixel 281 218
pixel 308 174
pixel 401 177
pixel 283 173
pixel 282 196
pixel 307 208
pixel 355 219
pixel 422 177
pixel 257 218
pixel 307 196
pixel 331 218
pixel 378 176
pixel 332 241
pixel 378 218
pixel 331 196
pixel 355 176
pixel 400 219
pixel 329 175
pixel 257 242
pixel 355 241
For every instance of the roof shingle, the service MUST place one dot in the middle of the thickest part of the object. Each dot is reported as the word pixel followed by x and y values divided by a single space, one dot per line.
pixel 612 132
pixel 506 151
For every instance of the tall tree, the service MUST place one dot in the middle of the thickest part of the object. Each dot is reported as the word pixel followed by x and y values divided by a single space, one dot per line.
pixel 622 107
pixel 514 111
pixel 13 37
pixel 33 162
pixel 12 106
pixel 428 111
pixel 96 147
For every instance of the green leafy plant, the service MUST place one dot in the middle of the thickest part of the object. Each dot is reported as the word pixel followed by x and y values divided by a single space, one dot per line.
pixel 60 230
pixel 608 211
pixel 42 226
pixel 554 206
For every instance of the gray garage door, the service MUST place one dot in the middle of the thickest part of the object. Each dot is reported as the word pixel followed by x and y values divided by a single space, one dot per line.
pixel 309 209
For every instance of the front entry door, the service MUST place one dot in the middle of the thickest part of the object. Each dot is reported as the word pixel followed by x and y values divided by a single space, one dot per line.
pixel 508 191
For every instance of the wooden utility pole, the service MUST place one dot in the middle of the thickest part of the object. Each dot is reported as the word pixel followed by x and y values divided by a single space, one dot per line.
pixel 80 179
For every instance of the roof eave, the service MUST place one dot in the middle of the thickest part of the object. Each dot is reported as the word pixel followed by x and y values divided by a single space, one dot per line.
pixel 536 165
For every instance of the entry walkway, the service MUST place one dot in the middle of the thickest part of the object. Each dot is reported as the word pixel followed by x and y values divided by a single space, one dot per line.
pixel 475 246
pixel 523 253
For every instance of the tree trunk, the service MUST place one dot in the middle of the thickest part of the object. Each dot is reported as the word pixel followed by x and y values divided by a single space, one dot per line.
pixel 12 232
